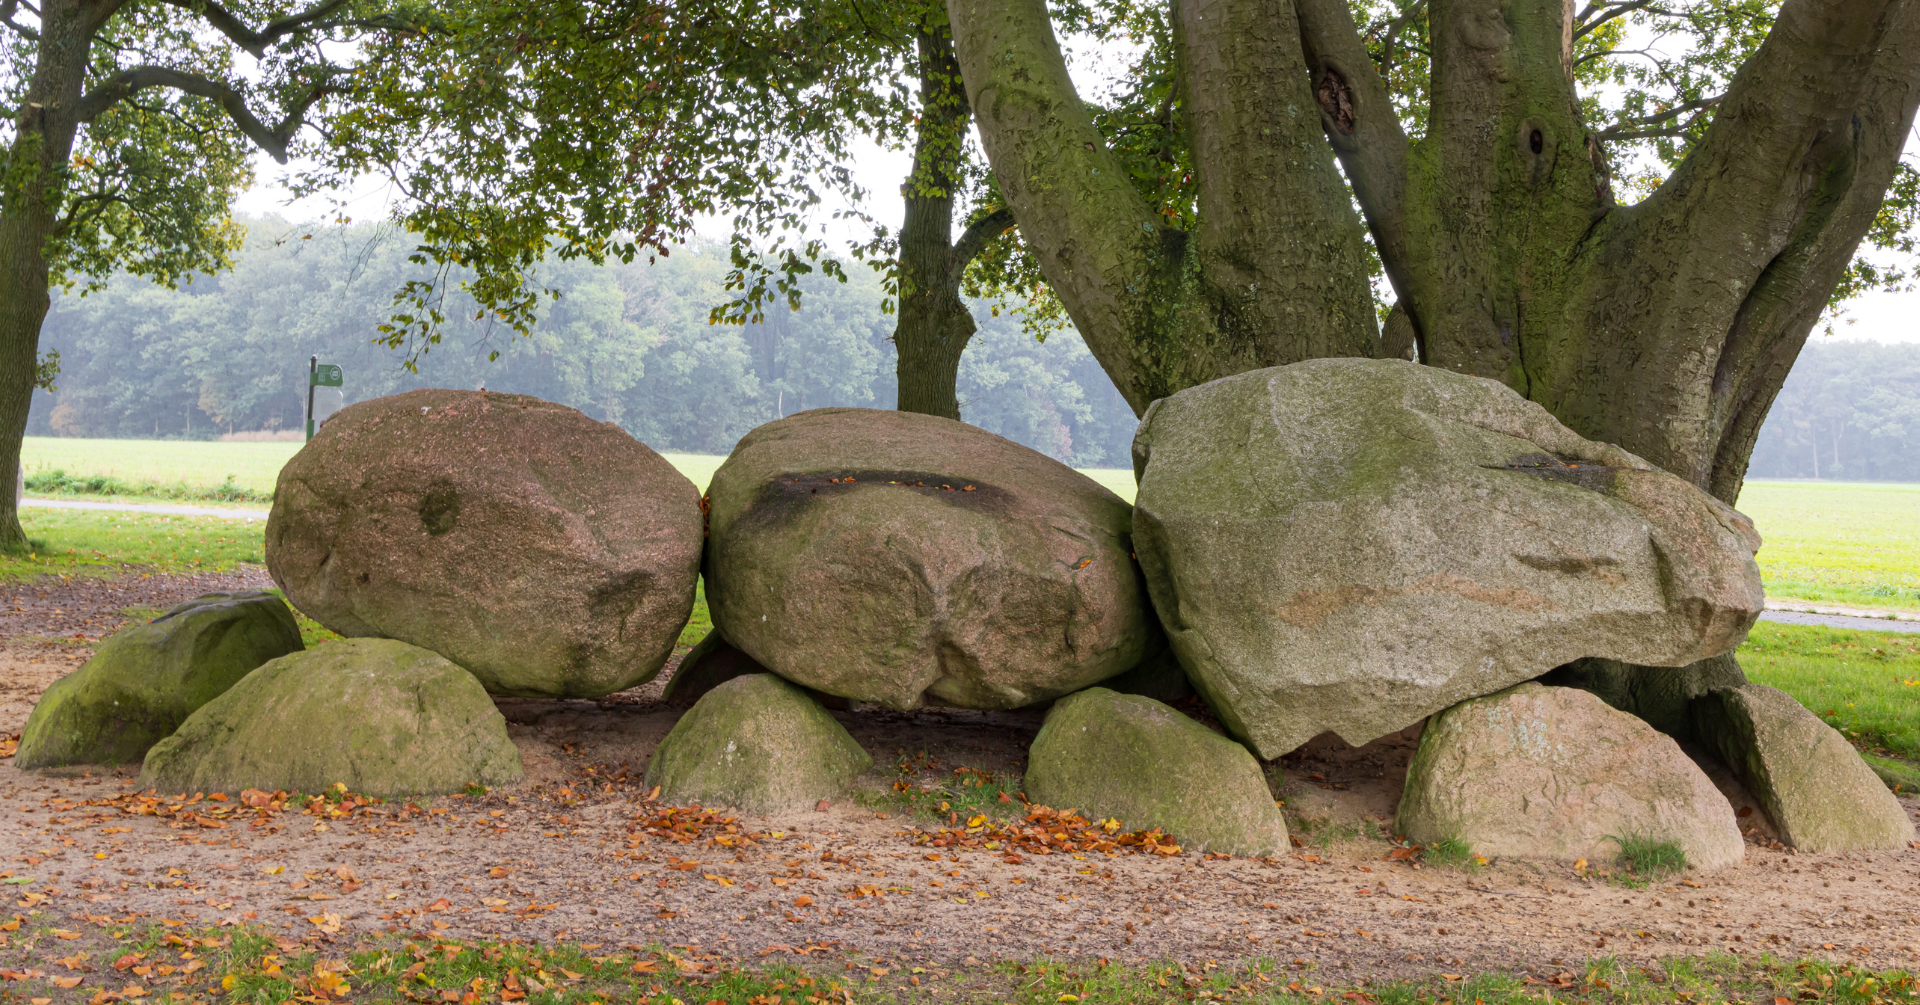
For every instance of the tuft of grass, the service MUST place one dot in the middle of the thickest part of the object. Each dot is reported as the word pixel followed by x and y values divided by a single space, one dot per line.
pixel 1452 853
pixel 1865 684
pixel 925 788
pixel 1649 858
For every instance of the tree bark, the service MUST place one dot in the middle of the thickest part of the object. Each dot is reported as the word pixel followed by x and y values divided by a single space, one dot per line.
pixel 1275 274
pixel 28 217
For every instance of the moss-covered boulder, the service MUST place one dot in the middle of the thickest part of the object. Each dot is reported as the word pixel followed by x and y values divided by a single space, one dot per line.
pixel 145 680
pixel 1815 788
pixel 1353 545
pixel 548 553
pixel 1554 772
pixel 383 717
pixel 1127 756
pixel 758 743
pixel 907 559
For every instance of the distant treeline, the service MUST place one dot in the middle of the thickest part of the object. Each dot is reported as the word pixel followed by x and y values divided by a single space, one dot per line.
pixel 625 343
pixel 631 344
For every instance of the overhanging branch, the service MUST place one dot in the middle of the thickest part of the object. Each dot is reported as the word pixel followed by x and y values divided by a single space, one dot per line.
pixel 256 42
pixel 974 239
pixel 272 139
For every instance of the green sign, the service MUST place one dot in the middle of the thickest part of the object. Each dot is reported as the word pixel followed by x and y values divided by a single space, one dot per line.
pixel 326 375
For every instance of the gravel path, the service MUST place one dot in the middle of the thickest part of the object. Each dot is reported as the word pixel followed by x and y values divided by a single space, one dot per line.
pixel 166 508
pixel 1841 621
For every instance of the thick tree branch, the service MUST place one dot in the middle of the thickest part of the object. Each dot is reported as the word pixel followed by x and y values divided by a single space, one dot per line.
pixel 1358 116
pixel 975 238
pixel 1583 27
pixel 1101 247
pixel 272 139
pixel 256 42
pixel 7 11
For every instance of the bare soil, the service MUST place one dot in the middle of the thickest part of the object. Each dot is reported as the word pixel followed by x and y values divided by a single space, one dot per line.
pixel 563 856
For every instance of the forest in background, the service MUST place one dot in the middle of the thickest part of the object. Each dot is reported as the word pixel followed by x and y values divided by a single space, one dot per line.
pixel 631 344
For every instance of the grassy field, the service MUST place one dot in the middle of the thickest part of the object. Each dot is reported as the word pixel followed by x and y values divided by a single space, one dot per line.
pixel 1866 684
pixel 1854 544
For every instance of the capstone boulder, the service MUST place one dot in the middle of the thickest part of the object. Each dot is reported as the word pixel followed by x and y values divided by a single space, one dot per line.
pixel 1819 793
pixel 145 680
pixel 547 553
pixel 1352 545
pixel 758 743
pixel 380 716
pixel 1554 772
pixel 902 559
pixel 1129 757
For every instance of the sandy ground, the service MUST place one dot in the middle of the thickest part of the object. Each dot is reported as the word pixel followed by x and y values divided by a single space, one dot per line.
pixel 567 855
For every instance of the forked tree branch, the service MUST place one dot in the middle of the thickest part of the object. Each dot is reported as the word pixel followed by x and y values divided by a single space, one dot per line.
pixel 256 42
pixel 272 139
pixel 975 238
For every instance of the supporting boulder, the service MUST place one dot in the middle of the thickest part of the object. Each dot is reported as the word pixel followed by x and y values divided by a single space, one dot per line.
pixel 1815 788
pixel 710 663
pixel 145 680
pixel 1554 772
pixel 902 559
pixel 1126 756
pixel 382 717
pixel 758 743
pixel 1352 545
pixel 549 554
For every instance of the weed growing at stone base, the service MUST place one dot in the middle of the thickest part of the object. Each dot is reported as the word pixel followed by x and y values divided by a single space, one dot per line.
pixel 1649 858
pixel 249 964
pixel 927 789
pixel 1453 853
pixel 1865 684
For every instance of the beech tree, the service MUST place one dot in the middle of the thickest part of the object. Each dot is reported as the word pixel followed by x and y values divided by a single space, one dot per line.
pixel 129 127
pixel 1666 325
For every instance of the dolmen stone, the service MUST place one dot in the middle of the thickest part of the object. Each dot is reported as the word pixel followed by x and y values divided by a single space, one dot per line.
pixel 1819 793
pixel 758 743
pixel 1352 545
pixel 902 559
pixel 1554 772
pixel 382 717
pixel 145 680
pixel 549 554
pixel 1129 757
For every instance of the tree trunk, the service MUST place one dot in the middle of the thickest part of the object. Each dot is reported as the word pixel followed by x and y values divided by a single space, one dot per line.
pixel 934 324
pixel 28 217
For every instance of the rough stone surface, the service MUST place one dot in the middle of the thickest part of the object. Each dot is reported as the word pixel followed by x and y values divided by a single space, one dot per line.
pixel 709 664
pixel 1663 696
pixel 1815 788
pixel 903 559
pixel 1352 545
pixel 1554 772
pixel 384 717
pixel 758 743
pixel 1127 756
pixel 547 553
pixel 145 680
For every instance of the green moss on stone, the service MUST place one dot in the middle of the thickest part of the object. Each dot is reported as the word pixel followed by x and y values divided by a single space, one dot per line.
pixel 759 743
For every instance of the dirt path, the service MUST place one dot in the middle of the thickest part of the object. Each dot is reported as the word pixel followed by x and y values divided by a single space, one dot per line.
pixel 568 855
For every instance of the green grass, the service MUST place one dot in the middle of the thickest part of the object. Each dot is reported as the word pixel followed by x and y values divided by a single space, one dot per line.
pixel 1851 544
pixel 96 543
pixel 927 789
pixel 191 463
pixel 1866 684
pixel 1646 858
pixel 254 965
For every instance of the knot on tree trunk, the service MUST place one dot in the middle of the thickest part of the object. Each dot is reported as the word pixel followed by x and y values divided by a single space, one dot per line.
pixel 1336 100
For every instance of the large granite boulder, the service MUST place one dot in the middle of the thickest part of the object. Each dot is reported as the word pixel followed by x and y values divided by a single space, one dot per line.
pixel 545 552
pixel 1554 772
pixel 1815 788
pixel 144 680
pixel 1352 545
pixel 758 743
pixel 1130 757
pixel 899 558
pixel 383 717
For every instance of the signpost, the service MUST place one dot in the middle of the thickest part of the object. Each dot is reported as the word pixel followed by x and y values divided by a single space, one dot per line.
pixel 319 375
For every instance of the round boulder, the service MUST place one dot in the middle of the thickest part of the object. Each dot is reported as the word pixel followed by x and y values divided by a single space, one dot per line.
pixel 1132 758
pixel 549 554
pixel 1554 772
pixel 902 559
pixel 758 743
pixel 145 680
pixel 383 717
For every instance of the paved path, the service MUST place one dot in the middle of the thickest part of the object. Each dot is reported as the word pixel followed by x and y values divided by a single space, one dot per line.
pixel 1841 621
pixel 164 508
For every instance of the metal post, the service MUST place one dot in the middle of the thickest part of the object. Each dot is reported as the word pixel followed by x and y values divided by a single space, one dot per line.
pixel 313 372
